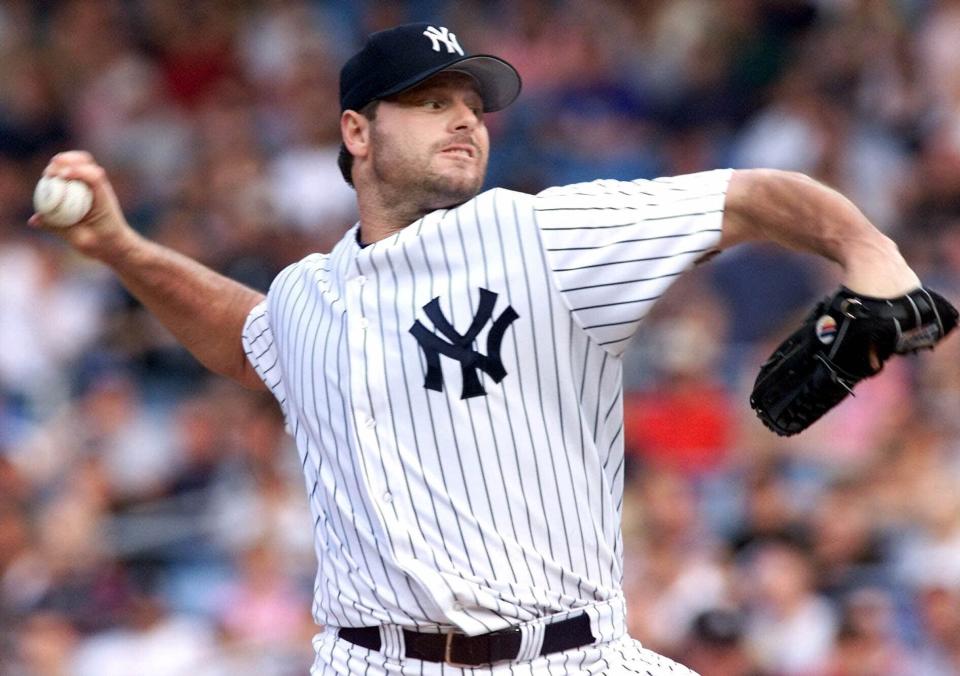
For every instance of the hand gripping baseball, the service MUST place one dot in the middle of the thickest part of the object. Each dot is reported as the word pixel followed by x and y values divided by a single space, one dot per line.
pixel 102 231
pixel 846 338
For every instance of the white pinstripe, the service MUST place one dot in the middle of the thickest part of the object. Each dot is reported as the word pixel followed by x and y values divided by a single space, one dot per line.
pixel 432 510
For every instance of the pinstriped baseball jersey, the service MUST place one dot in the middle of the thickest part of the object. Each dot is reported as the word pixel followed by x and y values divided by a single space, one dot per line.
pixel 455 395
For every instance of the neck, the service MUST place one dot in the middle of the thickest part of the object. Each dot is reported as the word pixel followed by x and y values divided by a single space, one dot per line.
pixel 384 211
pixel 380 219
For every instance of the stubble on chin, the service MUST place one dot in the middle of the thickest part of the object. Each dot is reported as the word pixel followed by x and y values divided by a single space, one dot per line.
pixel 421 184
pixel 451 185
pixel 447 191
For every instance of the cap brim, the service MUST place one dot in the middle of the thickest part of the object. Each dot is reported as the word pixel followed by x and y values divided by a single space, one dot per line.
pixel 498 81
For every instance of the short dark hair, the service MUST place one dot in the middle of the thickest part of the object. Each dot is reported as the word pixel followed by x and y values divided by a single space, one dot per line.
pixel 345 158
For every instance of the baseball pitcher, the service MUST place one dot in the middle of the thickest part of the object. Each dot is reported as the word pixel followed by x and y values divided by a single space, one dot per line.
pixel 451 370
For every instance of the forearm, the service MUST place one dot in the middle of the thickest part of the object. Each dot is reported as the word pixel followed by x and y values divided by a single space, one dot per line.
pixel 801 214
pixel 204 310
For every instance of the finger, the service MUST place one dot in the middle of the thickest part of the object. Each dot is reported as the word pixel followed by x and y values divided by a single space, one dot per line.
pixel 92 174
pixel 72 157
pixel 52 169
pixel 36 222
pixel 66 160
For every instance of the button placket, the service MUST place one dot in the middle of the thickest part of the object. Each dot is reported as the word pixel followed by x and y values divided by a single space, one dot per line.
pixel 365 392
pixel 379 451
pixel 360 369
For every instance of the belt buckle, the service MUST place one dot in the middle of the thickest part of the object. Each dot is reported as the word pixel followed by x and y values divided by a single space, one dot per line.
pixel 448 648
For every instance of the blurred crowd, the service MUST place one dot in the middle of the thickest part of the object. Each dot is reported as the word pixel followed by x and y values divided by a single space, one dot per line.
pixel 152 518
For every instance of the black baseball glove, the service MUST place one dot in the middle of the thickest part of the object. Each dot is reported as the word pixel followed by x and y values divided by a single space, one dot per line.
pixel 846 338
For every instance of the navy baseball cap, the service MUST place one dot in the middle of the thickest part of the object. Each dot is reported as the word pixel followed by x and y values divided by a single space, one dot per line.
pixel 399 58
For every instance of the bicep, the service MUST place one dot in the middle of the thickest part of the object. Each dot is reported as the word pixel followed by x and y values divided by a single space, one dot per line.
pixel 785 207
pixel 742 207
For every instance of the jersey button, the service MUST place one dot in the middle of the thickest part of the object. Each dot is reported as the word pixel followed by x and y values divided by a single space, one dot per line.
pixel 363 322
pixel 361 280
pixel 370 423
pixel 388 497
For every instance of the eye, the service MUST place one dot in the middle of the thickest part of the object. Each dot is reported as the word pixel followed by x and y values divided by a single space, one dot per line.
pixel 432 104
pixel 475 104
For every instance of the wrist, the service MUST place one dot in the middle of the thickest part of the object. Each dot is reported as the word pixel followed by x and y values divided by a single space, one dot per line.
pixel 877 268
pixel 118 248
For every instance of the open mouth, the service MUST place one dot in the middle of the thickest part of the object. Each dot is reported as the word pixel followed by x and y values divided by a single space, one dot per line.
pixel 459 150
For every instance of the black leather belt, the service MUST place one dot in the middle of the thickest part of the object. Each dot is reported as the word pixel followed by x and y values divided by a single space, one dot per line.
pixel 461 650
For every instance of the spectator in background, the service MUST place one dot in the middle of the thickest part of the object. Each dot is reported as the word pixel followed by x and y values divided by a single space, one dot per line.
pixel 308 153
pixel 152 642
pixel 939 608
pixel 867 642
pixel 930 546
pixel 769 515
pixel 938 393
pixel 847 549
pixel 262 614
pixel 715 644
pixel 38 346
pixel 682 420
pixel 674 567
pixel 45 645
pixel 108 423
pixel 791 628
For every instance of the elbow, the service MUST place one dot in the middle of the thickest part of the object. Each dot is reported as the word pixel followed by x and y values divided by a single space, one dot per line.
pixel 247 377
pixel 240 372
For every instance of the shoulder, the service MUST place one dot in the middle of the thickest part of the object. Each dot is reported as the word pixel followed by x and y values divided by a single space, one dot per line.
pixel 317 265
pixel 687 194
pixel 598 194
pixel 599 188
pixel 497 197
pixel 586 189
pixel 497 204
pixel 612 190
pixel 305 267
pixel 293 278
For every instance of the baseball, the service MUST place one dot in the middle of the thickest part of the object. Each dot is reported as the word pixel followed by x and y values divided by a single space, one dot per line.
pixel 62 202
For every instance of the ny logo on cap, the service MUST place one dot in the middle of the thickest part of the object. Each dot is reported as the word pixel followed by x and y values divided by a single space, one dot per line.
pixel 459 346
pixel 438 35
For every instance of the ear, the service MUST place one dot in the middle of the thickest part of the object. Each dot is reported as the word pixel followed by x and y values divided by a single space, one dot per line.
pixel 355 131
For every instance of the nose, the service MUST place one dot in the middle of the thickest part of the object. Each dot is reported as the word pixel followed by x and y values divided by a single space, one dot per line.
pixel 464 117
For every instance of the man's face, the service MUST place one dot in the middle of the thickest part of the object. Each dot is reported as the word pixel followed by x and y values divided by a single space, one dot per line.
pixel 429 144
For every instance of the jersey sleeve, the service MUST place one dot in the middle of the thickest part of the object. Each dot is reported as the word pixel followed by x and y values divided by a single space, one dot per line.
pixel 261 350
pixel 615 246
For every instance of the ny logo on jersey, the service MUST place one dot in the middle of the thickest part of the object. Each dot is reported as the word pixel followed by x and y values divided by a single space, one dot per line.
pixel 460 347
pixel 442 34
